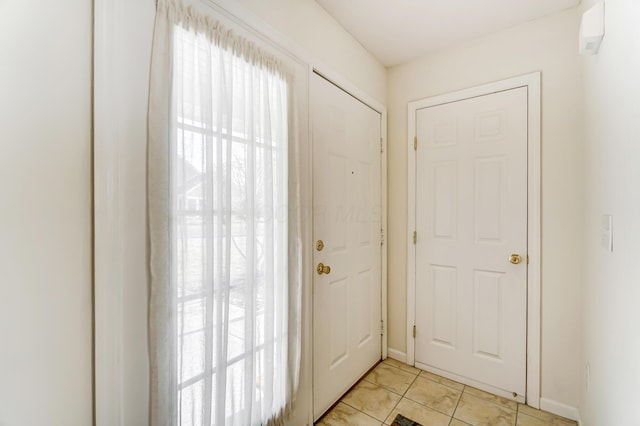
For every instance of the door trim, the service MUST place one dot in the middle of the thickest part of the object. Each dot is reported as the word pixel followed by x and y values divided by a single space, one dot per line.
pixel 107 285
pixel 532 83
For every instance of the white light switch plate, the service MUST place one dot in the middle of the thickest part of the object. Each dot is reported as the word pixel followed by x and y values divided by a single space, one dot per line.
pixel 607 232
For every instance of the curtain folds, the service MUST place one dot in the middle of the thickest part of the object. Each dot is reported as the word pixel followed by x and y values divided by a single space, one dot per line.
pixel 224 226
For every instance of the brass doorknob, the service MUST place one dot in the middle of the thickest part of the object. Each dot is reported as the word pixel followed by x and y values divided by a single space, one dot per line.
pixel 323 269
pixel 515 259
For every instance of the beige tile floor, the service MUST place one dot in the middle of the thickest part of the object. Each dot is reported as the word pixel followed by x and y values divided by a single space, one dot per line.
pixel 393 388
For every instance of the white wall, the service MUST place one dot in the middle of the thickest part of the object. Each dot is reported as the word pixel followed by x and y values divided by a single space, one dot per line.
pixel 548 45
pixel 611 283
pixel 305 26
pixel 45 213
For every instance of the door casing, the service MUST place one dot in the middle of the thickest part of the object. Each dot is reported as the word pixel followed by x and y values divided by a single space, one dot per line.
pixel 532 83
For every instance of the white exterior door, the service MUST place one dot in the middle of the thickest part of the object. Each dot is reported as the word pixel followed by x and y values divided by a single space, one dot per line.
pixel 471 216
pixel 346 204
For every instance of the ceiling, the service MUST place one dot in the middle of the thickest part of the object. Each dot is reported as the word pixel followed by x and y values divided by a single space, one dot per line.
pixel 397 31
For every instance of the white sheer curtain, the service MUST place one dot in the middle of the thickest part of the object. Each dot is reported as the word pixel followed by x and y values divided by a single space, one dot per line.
pixel 224 227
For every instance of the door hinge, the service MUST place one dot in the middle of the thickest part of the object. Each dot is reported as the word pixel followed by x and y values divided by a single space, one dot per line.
pixel 381 237
pixel 381 327
pixel 415 143
pixel 415 237
pixel 414 331
pixel 381 145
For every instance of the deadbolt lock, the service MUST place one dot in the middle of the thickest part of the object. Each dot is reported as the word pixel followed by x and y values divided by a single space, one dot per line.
pixel 323 269
pixel 319 245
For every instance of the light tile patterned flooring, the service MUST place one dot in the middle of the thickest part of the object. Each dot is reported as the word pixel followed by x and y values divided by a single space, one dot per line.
pixel 393 388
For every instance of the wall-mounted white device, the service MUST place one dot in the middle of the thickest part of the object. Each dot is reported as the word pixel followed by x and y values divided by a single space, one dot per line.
pixel 592 29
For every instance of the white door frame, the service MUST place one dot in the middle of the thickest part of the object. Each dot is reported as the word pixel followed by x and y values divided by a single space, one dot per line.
pixel 108 297
pixel 532 83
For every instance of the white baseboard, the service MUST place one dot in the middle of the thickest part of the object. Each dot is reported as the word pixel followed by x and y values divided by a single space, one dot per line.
pixel 560 409
pixel 397 355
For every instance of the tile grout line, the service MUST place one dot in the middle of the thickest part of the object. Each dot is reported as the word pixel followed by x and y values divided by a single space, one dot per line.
pixel 432 381
pixel 403 395
pixel 433 408
pixel 427 379
pixel 441 383
pixel 493 401
pixel 458 403
pixel 360 411
pixel 388 390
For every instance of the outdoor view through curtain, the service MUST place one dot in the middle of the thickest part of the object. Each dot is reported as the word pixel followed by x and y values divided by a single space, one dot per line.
pixel 224 229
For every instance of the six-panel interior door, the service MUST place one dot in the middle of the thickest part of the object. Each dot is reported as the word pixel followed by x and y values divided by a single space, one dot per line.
pixel 346 198
pixel 471 216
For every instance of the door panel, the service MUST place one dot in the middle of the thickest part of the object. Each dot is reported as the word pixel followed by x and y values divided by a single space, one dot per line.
pixel 346 185
pixel 471 214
